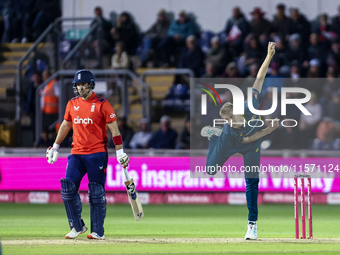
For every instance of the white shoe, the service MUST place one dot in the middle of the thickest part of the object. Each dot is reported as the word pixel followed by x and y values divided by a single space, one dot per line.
pixel 251 232
pixel 208 131
pixel 24 40
pixel 74 233
pixel 94 235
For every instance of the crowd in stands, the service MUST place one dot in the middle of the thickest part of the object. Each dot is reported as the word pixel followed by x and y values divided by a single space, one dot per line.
pixel 304 49
pixel 164 138
pixel 25 20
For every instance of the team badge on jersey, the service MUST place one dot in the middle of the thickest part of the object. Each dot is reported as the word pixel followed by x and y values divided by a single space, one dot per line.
pixel 255 94
pixel 93 107
pixel 76 108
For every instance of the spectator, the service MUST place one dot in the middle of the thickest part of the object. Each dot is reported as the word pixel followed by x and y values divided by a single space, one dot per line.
pixel 177 95
pixel 126 31
pixel 259 25
pixel 125 131
pixel 278 27
pixel 192 56
pixel 333 106
pixel 314 71
pixel 154 35
pixel 141 139
pixel 294 74
pixel 314 85
pixel 254 53
pixel 43 13
pixel 295 51
pixel 316 50
pixel 218 55
pixel 2 19
pixel 326 130
pixel 249 81
pixel 177 34
pixel 165 137
pixel 29 106
pixel 44 139
pixel 209 71
pixel 273 80
pixel 280 52
pixel 335 53
pixel 237 29
pixel 106 27
pixel 308 123
pixel 231 71
pixel 184 139
pixel 327 90
pixel 18 28
pixel 323 29
pixel 332 83
pixel 50 101
pixel 120 60
pixel 298 24
pixel 335 27
pixel 8 11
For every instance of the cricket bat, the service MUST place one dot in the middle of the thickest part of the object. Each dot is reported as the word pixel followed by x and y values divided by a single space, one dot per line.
pixel 136 205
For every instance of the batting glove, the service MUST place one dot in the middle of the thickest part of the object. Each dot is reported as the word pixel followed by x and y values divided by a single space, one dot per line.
pixel 123 158
pixel 52 153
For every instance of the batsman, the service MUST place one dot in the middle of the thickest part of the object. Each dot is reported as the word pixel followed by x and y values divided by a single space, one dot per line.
pixel 239 137
pixel 89 114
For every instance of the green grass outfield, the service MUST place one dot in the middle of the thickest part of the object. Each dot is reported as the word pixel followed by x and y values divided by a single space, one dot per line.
pixel 168 229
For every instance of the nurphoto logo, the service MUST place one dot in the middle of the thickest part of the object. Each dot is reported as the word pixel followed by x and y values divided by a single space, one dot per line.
pixel 238 103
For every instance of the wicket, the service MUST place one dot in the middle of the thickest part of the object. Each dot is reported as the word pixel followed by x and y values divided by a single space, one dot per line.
pixel 303 212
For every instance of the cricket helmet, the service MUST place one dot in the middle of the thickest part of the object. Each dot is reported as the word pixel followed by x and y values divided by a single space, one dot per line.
pixel 83 76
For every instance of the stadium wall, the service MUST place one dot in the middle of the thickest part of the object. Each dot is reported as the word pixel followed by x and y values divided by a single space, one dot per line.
pixel 210 15
pixel 231 198
pixel 159 180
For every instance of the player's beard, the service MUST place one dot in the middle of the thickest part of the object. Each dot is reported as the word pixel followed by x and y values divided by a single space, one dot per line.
pixel 84 93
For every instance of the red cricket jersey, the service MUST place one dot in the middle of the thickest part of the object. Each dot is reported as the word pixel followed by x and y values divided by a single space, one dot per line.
pixel 89 119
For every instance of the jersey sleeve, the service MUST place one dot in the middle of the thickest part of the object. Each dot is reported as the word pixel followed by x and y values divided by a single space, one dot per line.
pixel 108 112
pixel 67 115
pixel 256 96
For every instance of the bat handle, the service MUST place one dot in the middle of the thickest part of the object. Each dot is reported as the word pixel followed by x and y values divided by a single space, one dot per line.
pixel 126 174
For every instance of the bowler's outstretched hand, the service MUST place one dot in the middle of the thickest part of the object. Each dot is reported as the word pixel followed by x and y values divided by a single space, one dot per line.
pixel 271 48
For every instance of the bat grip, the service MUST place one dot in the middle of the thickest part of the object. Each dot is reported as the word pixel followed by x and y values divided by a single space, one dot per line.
pixel 126 174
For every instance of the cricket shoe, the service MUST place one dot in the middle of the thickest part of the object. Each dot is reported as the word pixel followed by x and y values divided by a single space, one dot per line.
pixel 251 232
pixel 208 131
pixel 94 235
pixel 74 233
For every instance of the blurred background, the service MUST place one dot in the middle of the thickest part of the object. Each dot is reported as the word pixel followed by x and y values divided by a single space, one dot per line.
pixel 143 54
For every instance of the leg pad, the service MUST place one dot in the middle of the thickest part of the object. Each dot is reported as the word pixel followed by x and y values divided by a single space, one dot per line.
pixel 73 206
pixel 98 207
